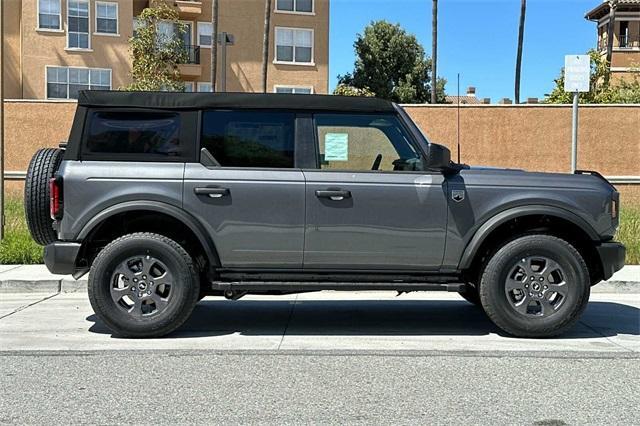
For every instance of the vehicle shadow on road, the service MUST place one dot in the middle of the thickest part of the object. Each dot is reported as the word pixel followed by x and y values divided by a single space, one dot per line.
pixel 213 317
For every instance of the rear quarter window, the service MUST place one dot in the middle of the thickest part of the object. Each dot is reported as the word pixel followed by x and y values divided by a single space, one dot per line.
pixel 145 135
pixel 257 139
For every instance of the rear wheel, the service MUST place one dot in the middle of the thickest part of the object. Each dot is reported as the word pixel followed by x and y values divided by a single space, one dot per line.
pixel 535 286
pixel 143 285
pixel 44 164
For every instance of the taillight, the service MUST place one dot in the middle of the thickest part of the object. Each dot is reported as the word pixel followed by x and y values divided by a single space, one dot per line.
pixel 55 200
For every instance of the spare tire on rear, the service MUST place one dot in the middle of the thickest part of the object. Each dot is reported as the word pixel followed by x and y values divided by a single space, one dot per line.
pixel 42 168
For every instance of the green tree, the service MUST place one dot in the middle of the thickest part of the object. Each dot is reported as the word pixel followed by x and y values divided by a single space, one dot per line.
pixel 392 64
pixel 602 90
pixel 157 47
pixel 345 90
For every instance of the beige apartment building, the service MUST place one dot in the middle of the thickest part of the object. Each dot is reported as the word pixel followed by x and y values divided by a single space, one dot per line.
pixel 53 48
pixel 625 57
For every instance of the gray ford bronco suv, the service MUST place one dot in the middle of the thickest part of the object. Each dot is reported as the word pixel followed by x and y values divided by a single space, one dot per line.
pixel 165 198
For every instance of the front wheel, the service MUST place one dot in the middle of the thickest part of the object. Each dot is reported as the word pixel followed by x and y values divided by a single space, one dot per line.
pixel 143 285
pixel 535 286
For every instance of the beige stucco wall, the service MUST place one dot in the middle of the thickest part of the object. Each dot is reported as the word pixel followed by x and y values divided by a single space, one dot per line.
pixel 41 48
pixel 523 136
pixel 11 29
pixel 538 137
pixel 246 23
pixel 30 125
pixel 30 50
pixel 630 59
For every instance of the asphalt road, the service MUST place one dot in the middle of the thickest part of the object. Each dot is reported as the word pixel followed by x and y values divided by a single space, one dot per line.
pixel 321 388
pixel 325 358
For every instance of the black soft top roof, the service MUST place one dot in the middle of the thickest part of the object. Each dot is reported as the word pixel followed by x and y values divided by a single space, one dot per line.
pixel 173 100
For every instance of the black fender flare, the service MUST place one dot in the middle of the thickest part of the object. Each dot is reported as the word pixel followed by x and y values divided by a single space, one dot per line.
pixel 157 206
pixel 495 221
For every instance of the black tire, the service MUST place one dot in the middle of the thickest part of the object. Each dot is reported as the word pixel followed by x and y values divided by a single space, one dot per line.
pixel 505 270
pixel 44 164
pixel 471 295
pixel 177 303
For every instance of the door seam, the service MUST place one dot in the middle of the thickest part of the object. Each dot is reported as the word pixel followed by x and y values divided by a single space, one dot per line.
pixel 304 223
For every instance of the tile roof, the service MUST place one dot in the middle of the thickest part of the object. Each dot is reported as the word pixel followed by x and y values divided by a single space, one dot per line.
pixel 464 99
pixel 603 9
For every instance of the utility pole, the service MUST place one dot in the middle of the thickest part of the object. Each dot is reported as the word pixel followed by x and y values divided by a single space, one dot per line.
pixel 214 44
pixel 434 52
pixel 523 13
pixel 1 120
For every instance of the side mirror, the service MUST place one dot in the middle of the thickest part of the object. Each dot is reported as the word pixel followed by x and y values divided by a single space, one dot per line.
pixel 438 157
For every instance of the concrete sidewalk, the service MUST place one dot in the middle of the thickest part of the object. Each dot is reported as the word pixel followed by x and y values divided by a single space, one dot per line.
pixel 325 321
pixel 37 279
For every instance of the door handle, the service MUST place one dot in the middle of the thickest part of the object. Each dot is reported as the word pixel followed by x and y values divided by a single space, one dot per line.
pixel 337 195
pixel 212 192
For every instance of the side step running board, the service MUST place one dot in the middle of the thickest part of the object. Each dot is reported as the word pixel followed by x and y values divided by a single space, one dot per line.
pixel 338 286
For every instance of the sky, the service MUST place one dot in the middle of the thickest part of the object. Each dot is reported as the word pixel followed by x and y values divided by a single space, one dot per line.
pixel 476 38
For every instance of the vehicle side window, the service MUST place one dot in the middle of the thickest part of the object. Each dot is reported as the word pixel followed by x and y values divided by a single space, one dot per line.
pixel 367 142
pixel 249 138
pixel 130 132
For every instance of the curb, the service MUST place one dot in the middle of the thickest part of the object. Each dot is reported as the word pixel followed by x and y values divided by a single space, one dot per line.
pixel 20 279
pixel 69 285
pixel 65 285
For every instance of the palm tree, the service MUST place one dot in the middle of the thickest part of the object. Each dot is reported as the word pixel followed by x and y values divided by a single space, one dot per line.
pixel 214 44
pixel 523 13
pixel 434 51
pixel 265 44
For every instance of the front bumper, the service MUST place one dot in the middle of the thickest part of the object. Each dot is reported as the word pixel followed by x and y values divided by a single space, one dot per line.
pixel 612 257
pixel 60 257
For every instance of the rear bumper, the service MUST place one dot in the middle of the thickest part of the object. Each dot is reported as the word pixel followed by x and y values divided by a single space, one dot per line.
pixel 60 257
pixel 612 257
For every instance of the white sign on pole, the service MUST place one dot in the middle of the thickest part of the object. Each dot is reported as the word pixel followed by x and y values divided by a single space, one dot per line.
pixel 577 71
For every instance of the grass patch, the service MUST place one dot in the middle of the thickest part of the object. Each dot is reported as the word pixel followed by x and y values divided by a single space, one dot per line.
pixel 629 233
pixel 17 247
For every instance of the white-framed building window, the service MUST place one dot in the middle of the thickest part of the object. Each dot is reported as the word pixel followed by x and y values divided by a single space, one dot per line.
pixel 78 24
pixel 66 82
pixel 295 90
pixel 204 86
pixel 205 34
pixel 294 45
pixel 49 15
pixel 295 6
pixel 189 86
pixel 106 18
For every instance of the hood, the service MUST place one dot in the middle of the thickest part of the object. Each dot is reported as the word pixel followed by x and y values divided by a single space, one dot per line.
pixel 482 175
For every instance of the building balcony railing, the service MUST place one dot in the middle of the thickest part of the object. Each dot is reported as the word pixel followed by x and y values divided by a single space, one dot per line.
pixel 193 55
pixel 627 41
pixel 622 42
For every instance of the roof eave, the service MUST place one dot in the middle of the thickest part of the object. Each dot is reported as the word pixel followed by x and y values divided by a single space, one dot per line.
pixel 591 15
